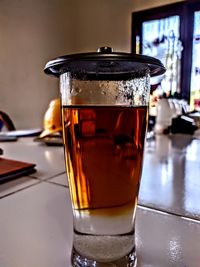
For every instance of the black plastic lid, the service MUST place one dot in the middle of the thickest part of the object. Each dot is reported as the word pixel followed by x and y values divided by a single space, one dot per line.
pixel 104 62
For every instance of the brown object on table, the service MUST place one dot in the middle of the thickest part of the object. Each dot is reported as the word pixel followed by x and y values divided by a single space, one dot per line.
pixel 11 169
pixel 7 122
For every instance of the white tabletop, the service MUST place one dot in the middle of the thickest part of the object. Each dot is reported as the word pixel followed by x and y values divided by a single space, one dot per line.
pixel 36 215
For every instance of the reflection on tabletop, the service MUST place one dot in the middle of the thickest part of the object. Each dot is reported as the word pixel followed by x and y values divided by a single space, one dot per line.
pixel 170 180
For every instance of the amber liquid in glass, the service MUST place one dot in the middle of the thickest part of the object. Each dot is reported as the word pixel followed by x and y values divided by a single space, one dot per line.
pixel 104 151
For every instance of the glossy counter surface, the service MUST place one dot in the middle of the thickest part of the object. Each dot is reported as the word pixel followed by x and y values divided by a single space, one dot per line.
pixel 36 216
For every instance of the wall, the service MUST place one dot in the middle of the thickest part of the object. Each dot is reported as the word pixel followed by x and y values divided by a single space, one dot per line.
pixel 31 32
pixel 34 31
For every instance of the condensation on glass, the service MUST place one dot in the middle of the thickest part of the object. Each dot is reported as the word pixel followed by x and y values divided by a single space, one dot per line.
pixel 131 92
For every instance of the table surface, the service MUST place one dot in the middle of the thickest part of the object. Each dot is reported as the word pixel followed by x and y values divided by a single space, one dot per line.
pixel 36 216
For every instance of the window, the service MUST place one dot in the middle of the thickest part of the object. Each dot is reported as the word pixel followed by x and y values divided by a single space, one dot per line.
pixel 161 39
pixel 195 71
pixel 172 34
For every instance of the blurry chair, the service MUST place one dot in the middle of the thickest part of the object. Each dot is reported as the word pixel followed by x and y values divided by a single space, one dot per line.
pixel 6 122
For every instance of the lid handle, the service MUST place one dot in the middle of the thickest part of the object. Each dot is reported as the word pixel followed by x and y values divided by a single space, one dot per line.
pixel 105 50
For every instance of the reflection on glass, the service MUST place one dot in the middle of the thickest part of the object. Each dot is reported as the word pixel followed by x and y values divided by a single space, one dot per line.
pixel 161 39
pixel 195 74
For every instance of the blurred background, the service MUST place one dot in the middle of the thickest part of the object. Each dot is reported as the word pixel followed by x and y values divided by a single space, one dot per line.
pixel 33 31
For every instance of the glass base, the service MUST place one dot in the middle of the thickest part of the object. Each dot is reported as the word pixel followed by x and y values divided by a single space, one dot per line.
pixel 129 260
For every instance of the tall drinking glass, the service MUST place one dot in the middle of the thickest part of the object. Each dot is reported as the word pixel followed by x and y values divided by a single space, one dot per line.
pixel 104 100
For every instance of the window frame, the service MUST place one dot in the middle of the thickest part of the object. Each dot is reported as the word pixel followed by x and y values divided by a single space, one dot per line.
pixel 186 12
